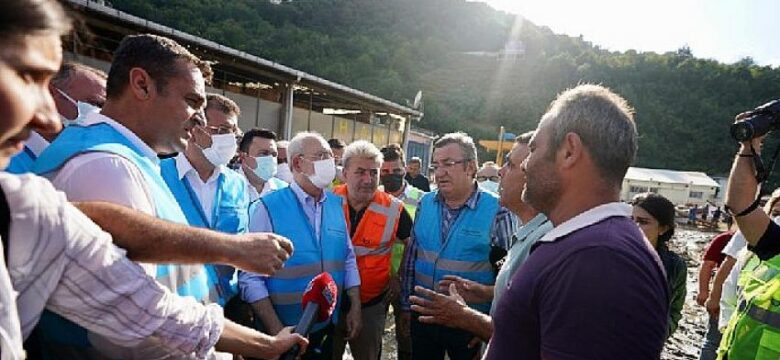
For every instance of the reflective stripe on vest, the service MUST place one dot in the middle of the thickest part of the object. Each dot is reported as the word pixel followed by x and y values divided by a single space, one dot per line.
pixel 753 331
pixel 311 256
pixel 373 240
pixel 466 250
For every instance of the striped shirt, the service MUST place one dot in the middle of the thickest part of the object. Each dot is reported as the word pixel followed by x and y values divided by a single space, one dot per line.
pixel 501 234
pixel 60 260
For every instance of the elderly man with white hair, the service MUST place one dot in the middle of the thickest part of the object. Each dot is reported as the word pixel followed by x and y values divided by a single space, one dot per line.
pixel 375 220
pixel 313 219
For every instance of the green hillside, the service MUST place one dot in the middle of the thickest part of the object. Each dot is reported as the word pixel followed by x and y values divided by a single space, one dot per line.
pixel 392 48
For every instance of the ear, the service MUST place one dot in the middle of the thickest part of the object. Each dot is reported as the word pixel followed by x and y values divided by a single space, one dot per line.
pixel 662 229
pixel 472 168
pixel 295 163
pixel 571 150
pixel 141 84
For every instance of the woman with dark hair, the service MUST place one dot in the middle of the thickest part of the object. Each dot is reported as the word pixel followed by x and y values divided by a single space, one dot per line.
pixel 655 216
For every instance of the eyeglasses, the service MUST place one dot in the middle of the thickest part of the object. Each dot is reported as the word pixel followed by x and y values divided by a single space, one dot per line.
pixel 220 130
pixel 491 178
pixel 446 164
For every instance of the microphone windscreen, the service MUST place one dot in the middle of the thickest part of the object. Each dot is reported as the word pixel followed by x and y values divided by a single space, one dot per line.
pixel 322 290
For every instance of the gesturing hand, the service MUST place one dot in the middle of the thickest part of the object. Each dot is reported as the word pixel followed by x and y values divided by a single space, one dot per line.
pixel 436 308
pixel 263 253
pixel 470 291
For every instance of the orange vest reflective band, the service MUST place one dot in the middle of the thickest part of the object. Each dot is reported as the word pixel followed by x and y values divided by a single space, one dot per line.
pixel 373 241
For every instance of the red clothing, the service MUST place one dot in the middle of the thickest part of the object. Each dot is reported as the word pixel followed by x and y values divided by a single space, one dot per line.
pixel 714 251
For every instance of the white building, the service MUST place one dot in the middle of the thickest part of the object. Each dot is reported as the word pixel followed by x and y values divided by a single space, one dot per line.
pixel 680 187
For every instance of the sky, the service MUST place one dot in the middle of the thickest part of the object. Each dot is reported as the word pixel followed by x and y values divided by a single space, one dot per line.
pixel 725 30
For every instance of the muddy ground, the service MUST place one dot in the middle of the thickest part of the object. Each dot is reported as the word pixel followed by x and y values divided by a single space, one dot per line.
pixel 686 341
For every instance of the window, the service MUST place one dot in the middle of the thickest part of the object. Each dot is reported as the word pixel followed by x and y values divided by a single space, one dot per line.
pixel 637 189
pixel 696 195
pixel 654 190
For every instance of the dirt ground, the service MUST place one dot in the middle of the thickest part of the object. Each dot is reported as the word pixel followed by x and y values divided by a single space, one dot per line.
pixel 686 341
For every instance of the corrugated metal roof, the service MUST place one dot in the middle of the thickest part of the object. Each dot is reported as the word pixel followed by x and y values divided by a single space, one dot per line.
pixel 670 176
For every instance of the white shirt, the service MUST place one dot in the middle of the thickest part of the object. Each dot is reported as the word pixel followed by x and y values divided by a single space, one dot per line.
pixel 102 176
pixel 736 249
pixel 251 190
pixel 62 261
pixel 588 218
pixel 205 191
pixel 36 143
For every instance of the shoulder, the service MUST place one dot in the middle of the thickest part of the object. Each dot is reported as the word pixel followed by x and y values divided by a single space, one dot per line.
pixel 30 192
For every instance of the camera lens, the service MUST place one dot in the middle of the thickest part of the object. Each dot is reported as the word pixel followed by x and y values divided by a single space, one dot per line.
pixel 742 131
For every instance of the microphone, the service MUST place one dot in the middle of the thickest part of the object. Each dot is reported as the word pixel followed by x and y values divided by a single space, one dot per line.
pixel 319 301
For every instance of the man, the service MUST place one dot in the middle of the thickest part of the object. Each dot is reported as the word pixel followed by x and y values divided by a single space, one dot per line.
pixel 487 176
pixel 415 177
pixel 459 229
pixel 451 310
pixel 337 146
pixel 711 261
pixel 52 255
pixel 155 96
pixel 77 90
pixel 313 219
pixel 375 221
pixel 392 177
pixel 283 172
pixel 259 161
pixel 210 194
pixel 579 292
pixel 751 330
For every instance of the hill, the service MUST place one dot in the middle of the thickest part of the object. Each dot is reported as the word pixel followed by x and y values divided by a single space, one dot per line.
pixel 392 48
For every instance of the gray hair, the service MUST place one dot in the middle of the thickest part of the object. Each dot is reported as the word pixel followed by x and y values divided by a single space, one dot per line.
pixel 415 160
pixel 69 70
pixel 465 142
pixel 361 149
pixel 282 144
pixel 525 137
pixel 297 143
pixel 604 122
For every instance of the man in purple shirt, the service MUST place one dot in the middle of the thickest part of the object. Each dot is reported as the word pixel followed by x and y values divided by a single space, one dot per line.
pixel 592 288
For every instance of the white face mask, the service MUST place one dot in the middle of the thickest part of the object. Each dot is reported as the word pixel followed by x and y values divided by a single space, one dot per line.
pixel 82 110
pixel 266 167
pixel 223 148
pixel 489 185
pixel 324 173
pixel 283 173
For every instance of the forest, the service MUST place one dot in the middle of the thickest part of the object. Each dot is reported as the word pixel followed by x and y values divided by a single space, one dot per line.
pixel 451 50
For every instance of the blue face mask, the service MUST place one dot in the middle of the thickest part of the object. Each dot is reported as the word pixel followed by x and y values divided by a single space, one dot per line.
pixel 489 185
pixel 266 167
pixel 82 108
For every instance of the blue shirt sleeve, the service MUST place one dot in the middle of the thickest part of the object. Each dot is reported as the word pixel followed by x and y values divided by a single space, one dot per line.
pixel 407 267
pixel 251 286
pixel 503 228
pixel 351 274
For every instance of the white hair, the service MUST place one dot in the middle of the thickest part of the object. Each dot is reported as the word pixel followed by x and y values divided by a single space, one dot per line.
pixel 361 149
pixel 283 144
pixel 297 143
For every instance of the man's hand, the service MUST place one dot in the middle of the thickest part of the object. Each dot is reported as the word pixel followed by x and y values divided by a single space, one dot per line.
pixel 469 291
pixel 436 308
pixel 701 297
pixel 285 340
pixel 713 307
pixel 263 253
pixel 354 321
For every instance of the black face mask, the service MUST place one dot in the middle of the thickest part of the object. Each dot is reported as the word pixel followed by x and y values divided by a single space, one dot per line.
pixel 392 182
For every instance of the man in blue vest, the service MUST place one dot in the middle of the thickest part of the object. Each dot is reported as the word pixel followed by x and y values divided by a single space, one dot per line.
pixel 154 98
pixel 210 194
pixel 77 90
pixel 313 219
pixel 460 230
pixel 259 162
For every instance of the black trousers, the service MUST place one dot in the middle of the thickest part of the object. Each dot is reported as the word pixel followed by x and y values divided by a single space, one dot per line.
pixel 430 342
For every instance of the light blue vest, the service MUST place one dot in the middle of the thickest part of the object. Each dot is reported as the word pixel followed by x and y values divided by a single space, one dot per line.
pixel 22 162
pixel 466 250
pixel 186 280
pixel 229 215
pixel 311 256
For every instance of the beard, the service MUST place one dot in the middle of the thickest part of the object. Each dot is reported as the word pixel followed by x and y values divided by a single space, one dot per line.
pixel 542 189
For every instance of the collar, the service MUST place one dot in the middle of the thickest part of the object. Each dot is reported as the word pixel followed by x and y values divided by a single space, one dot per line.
pixel 471 202
pixel 303 196
pixel 36 143
pixel 588 218
pixel 97 118
pixel 183 166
